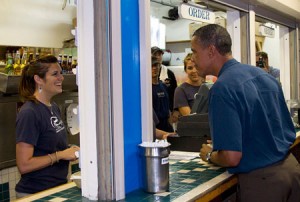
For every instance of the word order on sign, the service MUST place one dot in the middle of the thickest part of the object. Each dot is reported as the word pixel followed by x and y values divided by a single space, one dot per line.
pixel 195 13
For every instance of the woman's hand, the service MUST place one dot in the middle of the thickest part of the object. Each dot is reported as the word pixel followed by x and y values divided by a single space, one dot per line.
pixel 27 163
pixel 68 154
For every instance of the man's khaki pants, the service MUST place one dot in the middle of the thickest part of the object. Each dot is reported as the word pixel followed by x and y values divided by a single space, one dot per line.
pixel 276 183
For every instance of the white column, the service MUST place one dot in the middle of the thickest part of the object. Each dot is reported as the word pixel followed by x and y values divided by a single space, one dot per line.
pixel 285 75
pixel 234 29
pixel 145 71
pixel 252 36
pixel 87 106
pixel 117 104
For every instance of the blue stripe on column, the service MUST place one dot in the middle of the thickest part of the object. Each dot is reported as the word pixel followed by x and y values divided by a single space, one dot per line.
pixel 131 93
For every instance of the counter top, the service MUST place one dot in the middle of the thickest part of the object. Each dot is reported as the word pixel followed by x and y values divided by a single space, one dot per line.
pixel 190 179
pixel 58 193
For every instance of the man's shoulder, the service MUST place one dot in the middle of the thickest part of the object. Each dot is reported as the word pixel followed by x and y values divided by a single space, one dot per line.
pixel 159 85
pixel 170 73
pixel 274 71
pixel 273 68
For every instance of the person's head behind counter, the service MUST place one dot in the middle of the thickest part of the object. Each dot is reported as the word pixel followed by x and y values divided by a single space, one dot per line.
pixel 37 75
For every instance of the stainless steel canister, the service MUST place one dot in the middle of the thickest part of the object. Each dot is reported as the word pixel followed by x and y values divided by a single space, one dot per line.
pixel 155 168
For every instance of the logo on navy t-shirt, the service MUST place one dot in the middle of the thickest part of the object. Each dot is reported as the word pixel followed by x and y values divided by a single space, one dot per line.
pixel 161 94
pixel 56 124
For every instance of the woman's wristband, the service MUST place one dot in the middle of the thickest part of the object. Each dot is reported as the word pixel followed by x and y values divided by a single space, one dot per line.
pixel 51 159
pixel 56 155
pixel 56 158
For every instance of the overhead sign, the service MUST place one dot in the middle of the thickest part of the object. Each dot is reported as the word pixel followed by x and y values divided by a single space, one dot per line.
pixel 194 12
pixel 267 31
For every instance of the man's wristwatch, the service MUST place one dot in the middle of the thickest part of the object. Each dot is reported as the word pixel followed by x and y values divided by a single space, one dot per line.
pixel 208 156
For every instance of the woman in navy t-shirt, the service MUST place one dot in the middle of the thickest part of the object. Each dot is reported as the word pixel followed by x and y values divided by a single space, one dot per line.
pixel 42 151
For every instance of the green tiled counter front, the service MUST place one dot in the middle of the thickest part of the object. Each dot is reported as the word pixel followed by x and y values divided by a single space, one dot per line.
pixel 185 175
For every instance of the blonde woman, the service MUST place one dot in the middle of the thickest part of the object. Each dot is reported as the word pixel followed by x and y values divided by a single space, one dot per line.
pixel 185 93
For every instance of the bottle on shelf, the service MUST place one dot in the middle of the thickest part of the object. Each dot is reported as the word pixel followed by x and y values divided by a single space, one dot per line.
pixel 69 66
pixel 59 59
pixel 7 54
pixel 17 65
pixel 74 65
pixel 13 56
pixel 64 64
pixel 9 68
pixel 37 55
pixel 30 58
pixel 24 60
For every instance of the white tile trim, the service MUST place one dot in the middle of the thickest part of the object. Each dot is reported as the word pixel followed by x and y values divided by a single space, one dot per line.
pixel 145 71
pixel 117 106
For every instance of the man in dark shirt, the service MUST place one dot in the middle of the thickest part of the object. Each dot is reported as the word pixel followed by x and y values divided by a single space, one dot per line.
pixel 160 98
pixel 165 75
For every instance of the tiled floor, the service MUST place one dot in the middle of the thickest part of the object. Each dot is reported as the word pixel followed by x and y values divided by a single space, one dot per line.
pixel 185 175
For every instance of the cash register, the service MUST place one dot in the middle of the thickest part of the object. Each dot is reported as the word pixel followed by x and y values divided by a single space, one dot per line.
pixel 193 130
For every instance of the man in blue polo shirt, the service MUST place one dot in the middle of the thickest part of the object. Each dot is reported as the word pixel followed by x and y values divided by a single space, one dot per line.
pixel 250 124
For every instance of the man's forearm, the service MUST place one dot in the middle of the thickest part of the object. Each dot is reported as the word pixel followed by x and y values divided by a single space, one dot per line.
pixel 226 158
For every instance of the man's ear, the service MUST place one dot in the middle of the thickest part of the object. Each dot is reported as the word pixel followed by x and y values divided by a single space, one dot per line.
pixel 37 79
pixel 211 51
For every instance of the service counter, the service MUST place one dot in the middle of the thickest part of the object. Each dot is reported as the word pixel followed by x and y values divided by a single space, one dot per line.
pixel 191 179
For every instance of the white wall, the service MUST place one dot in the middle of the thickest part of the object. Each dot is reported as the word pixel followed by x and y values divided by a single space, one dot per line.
pixel 278 54
pixel 36 23
pixel 179 30
pixel 172 33
pixel 272 47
